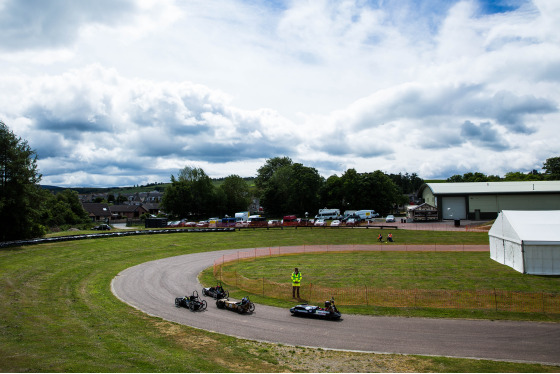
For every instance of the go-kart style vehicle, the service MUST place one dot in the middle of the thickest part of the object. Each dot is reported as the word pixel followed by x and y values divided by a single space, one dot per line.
pixel 328 312
pixel 192 302
pixel 217 292
pixel 243 306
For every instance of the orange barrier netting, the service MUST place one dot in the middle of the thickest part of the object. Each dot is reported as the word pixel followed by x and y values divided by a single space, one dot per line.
pixel 498 300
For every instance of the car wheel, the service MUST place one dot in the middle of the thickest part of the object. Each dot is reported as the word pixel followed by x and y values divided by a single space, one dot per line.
pixel 251 308
pixel 220 304
pixel 191 306
pixel 177 302
pixel 203 305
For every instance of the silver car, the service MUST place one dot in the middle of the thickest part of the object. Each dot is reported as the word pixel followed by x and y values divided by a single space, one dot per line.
pixel 390 218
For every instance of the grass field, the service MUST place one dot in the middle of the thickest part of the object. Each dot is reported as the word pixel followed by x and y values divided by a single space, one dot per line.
pixel 399 270
pixel 58 313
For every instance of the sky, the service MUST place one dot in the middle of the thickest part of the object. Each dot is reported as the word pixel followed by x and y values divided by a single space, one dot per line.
pixel 119 92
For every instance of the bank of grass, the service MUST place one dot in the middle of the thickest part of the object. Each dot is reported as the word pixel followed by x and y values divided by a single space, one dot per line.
pixel 58 313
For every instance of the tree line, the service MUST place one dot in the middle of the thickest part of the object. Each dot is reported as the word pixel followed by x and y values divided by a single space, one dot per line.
pixel 285 187
pixel 551 169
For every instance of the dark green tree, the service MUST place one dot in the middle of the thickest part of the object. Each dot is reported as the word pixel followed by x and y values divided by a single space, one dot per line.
pixel 236 194
pixel 276 194
pixel 191 194
pixel 517 176
pixel 332 193
pixel 408 183
pixel 304 187
pixel 265 172
pixel 61 209
pixel 288 188
pixel 19 190
pixel 552 168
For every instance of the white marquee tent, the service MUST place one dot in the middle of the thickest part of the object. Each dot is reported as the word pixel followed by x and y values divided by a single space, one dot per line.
pixel 528 241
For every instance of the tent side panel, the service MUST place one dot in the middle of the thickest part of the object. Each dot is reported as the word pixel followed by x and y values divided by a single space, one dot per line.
pixel 497 249
pixel 542 259
pixel 512 255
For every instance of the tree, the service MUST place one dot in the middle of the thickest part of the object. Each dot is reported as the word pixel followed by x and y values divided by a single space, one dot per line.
pixel 265 172
pixel 519 176
pixel 331 193
pixel 191 194
pixel 236 194
pixel 61 209
pixel 19 190
pixel 552 168
pixel 288 188
pixel 408 183
pixel 304 187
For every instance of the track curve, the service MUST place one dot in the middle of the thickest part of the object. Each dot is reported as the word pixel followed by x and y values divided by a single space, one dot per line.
pixel 152 287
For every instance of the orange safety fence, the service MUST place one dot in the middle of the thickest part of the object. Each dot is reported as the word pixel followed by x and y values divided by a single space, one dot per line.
pixel 498 300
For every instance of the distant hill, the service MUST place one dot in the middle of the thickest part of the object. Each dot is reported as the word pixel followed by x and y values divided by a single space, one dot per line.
pixel 132 189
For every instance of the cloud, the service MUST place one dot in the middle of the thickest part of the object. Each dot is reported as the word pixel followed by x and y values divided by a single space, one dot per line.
pixel 30 24
pixel 483 134
pixel 137 90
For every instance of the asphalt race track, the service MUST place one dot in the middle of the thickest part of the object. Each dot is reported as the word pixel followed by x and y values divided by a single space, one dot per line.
pixel 152 287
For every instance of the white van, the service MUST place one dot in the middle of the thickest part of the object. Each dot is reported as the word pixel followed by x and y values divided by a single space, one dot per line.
pixel 328 214
pixel 366 214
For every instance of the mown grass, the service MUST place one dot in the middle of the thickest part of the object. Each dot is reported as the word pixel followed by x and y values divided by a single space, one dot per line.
pixel 398 270
pixel 58 313
pixel 395 270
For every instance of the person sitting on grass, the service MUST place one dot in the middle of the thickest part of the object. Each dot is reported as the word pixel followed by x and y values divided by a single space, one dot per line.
pixel 390 237
pixel 380 238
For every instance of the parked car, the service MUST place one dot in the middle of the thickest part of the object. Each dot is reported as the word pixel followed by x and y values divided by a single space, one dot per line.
pixel 390 218
pixel 335 223
pixel 202 224
pixel 320 222
pixel 103 226
pixel 274 223
pixel 352 222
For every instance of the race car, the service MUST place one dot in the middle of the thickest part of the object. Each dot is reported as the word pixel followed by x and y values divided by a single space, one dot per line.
pixel 193 302
pixel 328 312
pixel 217 292
pixel 243 306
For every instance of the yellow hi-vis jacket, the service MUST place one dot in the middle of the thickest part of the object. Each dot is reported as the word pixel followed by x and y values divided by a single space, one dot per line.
pixel 296 279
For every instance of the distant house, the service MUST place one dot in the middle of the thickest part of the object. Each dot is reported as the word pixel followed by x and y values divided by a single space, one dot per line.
pixel 152 208
pixel 127 211
pixel 97 211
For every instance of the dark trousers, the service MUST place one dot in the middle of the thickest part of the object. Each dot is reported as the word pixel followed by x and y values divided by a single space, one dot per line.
pixel 294 288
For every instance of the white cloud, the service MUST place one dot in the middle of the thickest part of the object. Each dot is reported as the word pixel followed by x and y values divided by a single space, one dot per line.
pixel 138 91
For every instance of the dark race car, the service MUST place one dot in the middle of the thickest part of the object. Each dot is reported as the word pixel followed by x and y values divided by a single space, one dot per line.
pixel 193 302
pixel 328 312
pixel 217 292
pixel 243 306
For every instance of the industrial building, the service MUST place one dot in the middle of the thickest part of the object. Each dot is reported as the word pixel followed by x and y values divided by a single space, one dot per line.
pixel 484 200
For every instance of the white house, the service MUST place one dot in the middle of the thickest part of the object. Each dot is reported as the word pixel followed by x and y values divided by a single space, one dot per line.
pixel 528 241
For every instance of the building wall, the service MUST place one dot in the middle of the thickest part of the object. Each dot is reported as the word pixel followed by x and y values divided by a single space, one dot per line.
pixel 486 207
pixel 490 205
pixel 429 197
